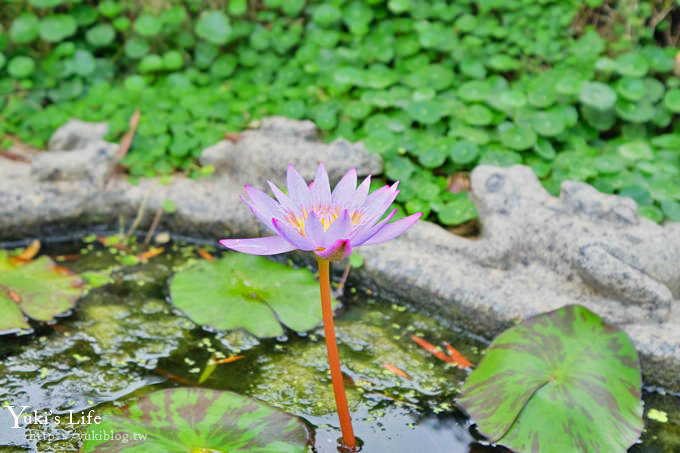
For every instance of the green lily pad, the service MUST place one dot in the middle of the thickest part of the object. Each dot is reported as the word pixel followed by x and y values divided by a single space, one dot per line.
pixel 57 27
pixel 214 27
pixel 567 363
pixel 518 138
pixel 35 289
pixel 196 420
pixel 250 292
pixel 672 100
pixel 597 95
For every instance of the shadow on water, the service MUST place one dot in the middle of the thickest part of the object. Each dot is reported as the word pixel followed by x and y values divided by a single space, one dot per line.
pixel 125 339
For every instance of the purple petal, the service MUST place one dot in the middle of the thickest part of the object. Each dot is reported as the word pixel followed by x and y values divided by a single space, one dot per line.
pixel 377 203
pixel 297 188
pixel 292 235
pixel 285 201
pixel 343 191
pixel 263 206
pixel 314 229
pixel 321 188
pixel 394 229
pixel 342 248
pixel 359 195
pixel 270 245
pixel 338 230
pixel 364 232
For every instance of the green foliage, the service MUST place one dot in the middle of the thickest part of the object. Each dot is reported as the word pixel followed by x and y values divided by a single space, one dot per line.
pixel 36 289
pixel 434 87
pixel 569 364
pixel 231 293
pixel 198 420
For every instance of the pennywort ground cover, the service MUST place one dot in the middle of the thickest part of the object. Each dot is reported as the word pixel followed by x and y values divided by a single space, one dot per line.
pixel 435 87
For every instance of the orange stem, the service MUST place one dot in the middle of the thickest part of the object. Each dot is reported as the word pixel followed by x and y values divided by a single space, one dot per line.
pixel 333 358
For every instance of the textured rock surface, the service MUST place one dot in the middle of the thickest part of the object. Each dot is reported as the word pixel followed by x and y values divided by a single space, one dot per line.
pixel 536 252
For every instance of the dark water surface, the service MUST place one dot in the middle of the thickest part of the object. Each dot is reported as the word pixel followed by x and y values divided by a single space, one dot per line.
pixel 125 339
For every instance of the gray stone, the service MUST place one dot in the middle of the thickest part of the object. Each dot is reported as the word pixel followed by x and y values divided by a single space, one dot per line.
pixel 261 154
pixel 94 162
pixel 76 134
pixel 536 252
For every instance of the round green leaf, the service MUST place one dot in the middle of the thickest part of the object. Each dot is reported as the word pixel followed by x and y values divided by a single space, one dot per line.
pixel 147 25
pixel 24 28
pixel 601 120
pixel 464 152
pixel 197 420
pixel 635 112
pixel 651 212
pixel 478 115
pixel 213 26
pixel 545 149
pixel 636 151
pixel 567 363
pixel 672 100
pixel 20 67
pixel 57 27
pixel 42 291
pixel 172 60
pixel 136 48
pixel 224 65
pixel 326 14
pixel 250 292
pixel 518 138
pixel 632 64
pixel 631 88
pixel 83 62
pixel 654 89
pixel 426 112
pixel 474 91
pixel 548 124
pixel 671 209
pixel 100 35
pixel 110 8
pixel 460 210
pixel 151 63
pixel 597 95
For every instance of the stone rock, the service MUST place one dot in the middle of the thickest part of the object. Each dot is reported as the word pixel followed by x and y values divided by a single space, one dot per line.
pixel 95 162
pixel 536 252
pixel 76 134
pixel 261 154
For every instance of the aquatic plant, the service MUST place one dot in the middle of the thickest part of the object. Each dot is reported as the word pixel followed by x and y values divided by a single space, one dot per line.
pixel 230 293
pixel 196 420
pixel 561 381
pixel 329 224
pixel 38 289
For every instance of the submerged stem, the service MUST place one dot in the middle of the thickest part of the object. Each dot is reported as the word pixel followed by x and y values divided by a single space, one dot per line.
pixel 333 358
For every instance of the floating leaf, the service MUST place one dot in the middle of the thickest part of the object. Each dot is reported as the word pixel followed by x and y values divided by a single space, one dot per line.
pixel 196 420
pixel 569 364
pixel 38 289
pixel 250 292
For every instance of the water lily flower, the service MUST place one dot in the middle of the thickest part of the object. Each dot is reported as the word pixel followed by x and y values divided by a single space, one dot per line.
pixel 314 218
pixel 330 224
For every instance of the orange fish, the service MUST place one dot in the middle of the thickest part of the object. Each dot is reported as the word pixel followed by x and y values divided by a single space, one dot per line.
pixel 429 347
pixel 395 370
pixel 457 357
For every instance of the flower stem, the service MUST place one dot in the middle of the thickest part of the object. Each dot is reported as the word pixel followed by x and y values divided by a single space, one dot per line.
pixel 333 359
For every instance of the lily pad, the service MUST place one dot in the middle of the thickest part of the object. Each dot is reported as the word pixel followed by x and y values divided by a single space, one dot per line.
pixel 37 289
pixel 197 420
pixel 561 381
pixel 250 292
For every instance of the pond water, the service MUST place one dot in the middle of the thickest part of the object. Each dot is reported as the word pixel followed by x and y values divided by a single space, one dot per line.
pixel 125 339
